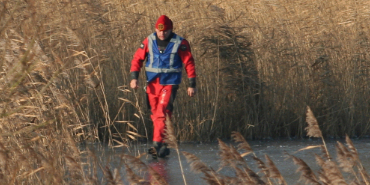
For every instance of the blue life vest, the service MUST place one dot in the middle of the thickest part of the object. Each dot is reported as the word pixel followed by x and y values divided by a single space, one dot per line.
pixel 167 65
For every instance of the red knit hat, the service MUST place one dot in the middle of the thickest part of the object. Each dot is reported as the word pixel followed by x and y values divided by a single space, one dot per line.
pixel 163 23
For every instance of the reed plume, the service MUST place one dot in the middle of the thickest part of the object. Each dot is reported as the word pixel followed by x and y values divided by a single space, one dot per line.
pixel 135 162
pixel 263 167
pixel 319 160
pixel 238 160
pixel 232 180
pixel 306 172
pixel 243 144
pixel 211 180
pixel 345 158
pixel 242 177
pixel 354 156
pixel 229 156
pixel 225 155
pixel 112 178
pixel 198 166
pixel 237 157
pixel 273 170
pixel 331 174
pixel 352 148
pixel 249 176
pixel 170 137
pixel 313 129
pixel 323 177
pixel 132 177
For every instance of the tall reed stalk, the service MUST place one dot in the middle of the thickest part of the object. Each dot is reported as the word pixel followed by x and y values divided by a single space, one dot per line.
pixel 170 139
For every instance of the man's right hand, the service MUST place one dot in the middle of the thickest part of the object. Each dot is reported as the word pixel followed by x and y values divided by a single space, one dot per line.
pixel 134 84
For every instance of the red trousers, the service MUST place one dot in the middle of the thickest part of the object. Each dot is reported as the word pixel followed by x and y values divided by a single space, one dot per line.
pixel 161 99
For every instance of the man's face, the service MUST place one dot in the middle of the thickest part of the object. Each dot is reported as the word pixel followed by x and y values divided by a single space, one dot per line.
pixel 163 35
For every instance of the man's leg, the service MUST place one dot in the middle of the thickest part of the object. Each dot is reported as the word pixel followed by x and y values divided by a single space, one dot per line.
pixel 153 100
pixel 164 109
pixel 161 112
pixel 161 99
pixel 158 97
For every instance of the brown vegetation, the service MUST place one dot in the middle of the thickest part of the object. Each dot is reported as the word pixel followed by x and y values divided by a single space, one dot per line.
pixel 65 71
pixel 259 64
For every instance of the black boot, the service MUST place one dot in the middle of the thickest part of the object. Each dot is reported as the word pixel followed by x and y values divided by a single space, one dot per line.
pixel 159 150
pixel 152 151
pixel 155 149
pixel 163 151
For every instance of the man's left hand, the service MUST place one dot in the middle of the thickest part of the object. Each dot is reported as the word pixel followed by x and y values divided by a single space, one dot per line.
pixel 191 91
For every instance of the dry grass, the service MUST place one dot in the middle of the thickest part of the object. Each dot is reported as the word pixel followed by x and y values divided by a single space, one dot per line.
pixel 258 63
pixel 64 75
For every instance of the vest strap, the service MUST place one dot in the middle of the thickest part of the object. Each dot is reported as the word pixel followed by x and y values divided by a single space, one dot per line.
pixel 161 70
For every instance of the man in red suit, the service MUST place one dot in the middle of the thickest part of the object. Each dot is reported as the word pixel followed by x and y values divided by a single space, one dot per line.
pixel 166 54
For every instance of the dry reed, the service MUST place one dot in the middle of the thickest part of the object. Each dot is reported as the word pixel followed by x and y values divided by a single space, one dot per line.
pixel 243 144
pixel 171 141
pixel 263 167
pixel 313 130
pixel 306 172
pixel 248 55
pixel 198 166
pixel 255 50
pixel 274 171
pixel 62 61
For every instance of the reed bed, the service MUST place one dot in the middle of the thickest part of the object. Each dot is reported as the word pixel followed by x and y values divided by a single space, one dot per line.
pixel 259 63
pixel 64 75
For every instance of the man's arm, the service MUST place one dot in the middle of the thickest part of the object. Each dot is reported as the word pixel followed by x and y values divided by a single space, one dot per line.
pixel 188 60
pixel 137 63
